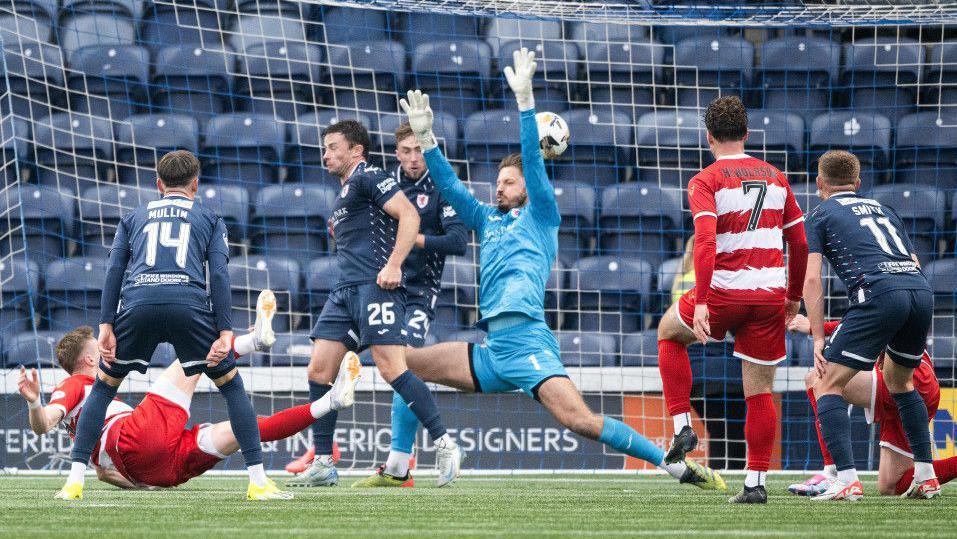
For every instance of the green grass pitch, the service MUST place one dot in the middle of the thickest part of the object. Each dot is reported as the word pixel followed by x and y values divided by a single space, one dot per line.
pixel 539 506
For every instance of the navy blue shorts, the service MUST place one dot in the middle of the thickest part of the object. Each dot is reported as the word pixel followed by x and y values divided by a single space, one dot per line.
pixel 897 320
pixel 419 314
pixel 362 315
pixel 189 328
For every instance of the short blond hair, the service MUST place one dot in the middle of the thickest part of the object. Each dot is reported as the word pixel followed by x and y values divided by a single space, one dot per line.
pixel 71 345
pixel 839 168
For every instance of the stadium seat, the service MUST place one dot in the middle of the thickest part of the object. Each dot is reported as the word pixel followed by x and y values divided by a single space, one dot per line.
pixel 796 74
pixel 581 349
pixel 599 151
pixel 345 25
pixel 34 78
pixel 882 75
pixel 640 220
pixel 576 204
pixel 835 294
pixel 586 33
pixel 866 135
pixel 232 204
pixel 304 154
pixel 25 25
pixel 254 29
pixel 489 136
pixel 671 147
pixel 640 349
pixel 708 67
pixel 555 288
pixel 83 30
pixel 109 80
pixel 673 35
pixel 444 126
pixel 279 78
pixel 776 137
pixel 418 28
pixel 940 81
pixel 73 289
pixel 484 192
pixel 249 276
pixel 943 323
pixel 455 74
pixel 291 350
pixel 193 22
pixel 667 272
pixel 132 9
pixel 367 75
pixel 47 217
pixel 18 294
pixel 457 298
pixel 14 137
pixel 800 350
pixel 942 275
pixel 32 350
pixel 501 30
pixel 73 151
pixel 101 209
pixel 290 221
pixel 926 151
pixel 243 149
pixel 141 140
pixel 624 77
pixel 923 211
pixel 321 277
pixel 555 79
pixel 193 80
pixel 943 352
pixel 290 8
pixel 606 294
pixel 807 195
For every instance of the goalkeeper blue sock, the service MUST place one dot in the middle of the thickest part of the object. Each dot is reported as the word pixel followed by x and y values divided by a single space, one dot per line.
pixel 324 428
pixel 242 418
pixel 404 425
pixel 417 394
pixel 90 424
pixel 627 440
pixel 836 430
pixel 914 418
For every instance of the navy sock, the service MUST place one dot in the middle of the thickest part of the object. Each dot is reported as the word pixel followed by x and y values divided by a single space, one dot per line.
pixel 90 424
pixel 242 418
pixel 836 429
pixel 914 418
pixel 324 428
pixel 417 394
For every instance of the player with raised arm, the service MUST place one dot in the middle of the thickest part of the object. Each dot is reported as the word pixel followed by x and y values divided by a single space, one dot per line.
pixel 161 255
pixel 744 212
pixel 891 306
pixel 375 227
pixel 519 241
pixel 149 445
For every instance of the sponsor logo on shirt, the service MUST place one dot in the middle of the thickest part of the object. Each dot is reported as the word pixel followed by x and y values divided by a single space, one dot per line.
pixel 345 191
pixel 448 211
pixel 160 278
pixel 515 213
pixel 422 201
pixel 386 185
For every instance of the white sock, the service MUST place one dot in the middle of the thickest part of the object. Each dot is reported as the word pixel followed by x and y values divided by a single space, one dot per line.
pixel 322 459
pixel 675 470
pixel 397 465
pixel 755 478
pixel 77 473
pixel 830 471
pixel 923 471
pixel 681 421
pixel 257 475
pixel 322 406
pixel 244 344
pixel 847 477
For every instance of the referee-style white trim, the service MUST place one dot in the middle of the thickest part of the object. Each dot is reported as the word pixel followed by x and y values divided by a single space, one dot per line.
pixel 869 410
pixel 131 361
pixel 163 202
pixel 705 214
pixel 902 354
pixel 353 336
pixel 757 361
pixel 896 449
pixel 166 389
pixel 852 355
pixel 204 441
pixel 792 223
pixel 189 364
pixel 59 407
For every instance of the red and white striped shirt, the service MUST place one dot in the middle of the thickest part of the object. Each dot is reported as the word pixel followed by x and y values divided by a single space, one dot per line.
pixel 70 395
pixel 741 246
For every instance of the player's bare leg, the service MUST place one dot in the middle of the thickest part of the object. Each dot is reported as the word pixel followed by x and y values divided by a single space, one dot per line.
pixel 900 383
pixel 675 369
pixel 835 427
pixel 445 363
pixel 560 397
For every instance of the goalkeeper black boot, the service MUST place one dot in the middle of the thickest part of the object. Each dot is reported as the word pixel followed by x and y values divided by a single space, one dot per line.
pixel 683 443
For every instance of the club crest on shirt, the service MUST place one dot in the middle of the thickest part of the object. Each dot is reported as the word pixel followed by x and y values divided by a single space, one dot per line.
pixel 422 201
pixel 515 213
pixel 345 191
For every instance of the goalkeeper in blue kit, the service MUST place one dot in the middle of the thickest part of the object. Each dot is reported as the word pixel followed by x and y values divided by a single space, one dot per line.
pixel 519 240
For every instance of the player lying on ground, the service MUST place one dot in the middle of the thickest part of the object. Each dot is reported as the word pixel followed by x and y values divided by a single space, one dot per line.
pixel 519 240
pixel 744 212
pixel 149 445
pixel 868 391
pixel 891 307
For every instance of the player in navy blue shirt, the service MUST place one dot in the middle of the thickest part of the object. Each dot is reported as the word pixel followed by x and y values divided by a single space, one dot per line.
pixel 891 306
pixel 375 228
pixel 159 260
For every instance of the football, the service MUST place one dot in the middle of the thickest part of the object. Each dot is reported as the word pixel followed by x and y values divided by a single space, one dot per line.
pixel 553 134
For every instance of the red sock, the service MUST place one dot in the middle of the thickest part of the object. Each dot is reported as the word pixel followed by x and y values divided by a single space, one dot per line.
pixel 828 461
pixel 285 423
pixel 760 426
pixel 675 369
pixel 232 344
pixel 946 470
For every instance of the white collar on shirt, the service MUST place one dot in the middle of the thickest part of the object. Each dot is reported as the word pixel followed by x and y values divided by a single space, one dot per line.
pixel 735 156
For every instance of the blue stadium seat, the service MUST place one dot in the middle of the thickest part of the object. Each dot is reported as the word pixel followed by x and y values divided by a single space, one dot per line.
pixel 606 294
pixel 344 24
pixel 943 323
pixel 940 81
pixel 625 77
pixel 835 293
pixel 458 296
pixel 73 289
pixel 868 136
pixel 232 204
pixel 34 78
pixel 20 288
pixel 164 355
pixel 483 191
pixel 193 80
pixel 671 147
pixel 942 275
pixel 489 136
pixel 678 33
pixel 32 350
pixel 667 272
pixel 556 77
pixel 581 349
pixel 501 30
pixel 882 75
pixel 72 150
pixel 290 8
pixel 800 350
pixel 555 288
pixel 15 135
pixel 576 204
pixel 131 9
pixel 807 196
pixel 142 139
pixel 290 220
pixel 243 149
pixel 304 153
pixel 367 75
pixel 254 29
pixel 82 30
pixel 708 67
pixel 109 80
pixel 249 276
pixel 923 211
pixel 101 209
pixel 943 352
pixel 193 22
pixel 47 216
pixel 776 137
pixel 601 32
pixel 640 220
pixel 291 350
pixel 640 349
pixel 321 277
pixel 25 25
pixel 795 74
pixel 418 28
pixel 444 126
pixel 278 78
pixel 455 74
pixel 926 151
pixel 596 153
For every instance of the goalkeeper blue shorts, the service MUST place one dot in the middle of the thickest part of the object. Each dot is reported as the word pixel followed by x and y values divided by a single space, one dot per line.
pixel 520 357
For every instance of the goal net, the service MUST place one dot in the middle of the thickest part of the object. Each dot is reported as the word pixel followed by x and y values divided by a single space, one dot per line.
pixel 95 91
